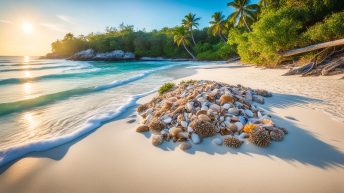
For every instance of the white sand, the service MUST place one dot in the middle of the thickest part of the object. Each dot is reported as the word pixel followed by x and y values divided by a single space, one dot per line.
pixel 117 159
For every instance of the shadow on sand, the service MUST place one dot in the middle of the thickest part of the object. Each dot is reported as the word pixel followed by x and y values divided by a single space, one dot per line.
pixel 298 146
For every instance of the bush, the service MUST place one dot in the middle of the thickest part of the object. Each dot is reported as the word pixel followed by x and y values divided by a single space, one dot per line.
pixel 166 87
pixel 331 28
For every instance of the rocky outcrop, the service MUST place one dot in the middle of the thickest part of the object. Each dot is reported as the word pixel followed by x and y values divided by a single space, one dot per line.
pixel 90 54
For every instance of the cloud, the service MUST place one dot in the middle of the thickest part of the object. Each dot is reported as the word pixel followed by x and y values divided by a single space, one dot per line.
pixel 65 18
pixel 5 21
pixel 53 27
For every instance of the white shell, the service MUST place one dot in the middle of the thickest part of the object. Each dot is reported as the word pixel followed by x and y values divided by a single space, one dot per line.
pixel 217 141
pixel 190 130
pixel 167 120
pixel 195 138
pixel 184 124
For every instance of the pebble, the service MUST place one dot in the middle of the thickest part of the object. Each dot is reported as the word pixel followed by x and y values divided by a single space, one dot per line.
pixel 157 140
pixel 249 113
pixel 184 146
pixel 195 138
pixel 167 120
pixel 217 141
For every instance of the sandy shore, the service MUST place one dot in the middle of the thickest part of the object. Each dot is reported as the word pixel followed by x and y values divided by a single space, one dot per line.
pixel 115 158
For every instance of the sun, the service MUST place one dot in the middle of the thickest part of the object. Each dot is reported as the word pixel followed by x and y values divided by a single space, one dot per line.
pixel 27 27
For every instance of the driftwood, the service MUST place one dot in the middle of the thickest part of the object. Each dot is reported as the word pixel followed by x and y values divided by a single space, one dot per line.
pixel 313 47
pixel 327 61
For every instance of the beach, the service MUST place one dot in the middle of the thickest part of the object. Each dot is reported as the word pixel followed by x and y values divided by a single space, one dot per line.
pixel 115 158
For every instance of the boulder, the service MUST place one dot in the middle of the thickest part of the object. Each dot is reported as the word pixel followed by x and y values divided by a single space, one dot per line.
pixel 90 54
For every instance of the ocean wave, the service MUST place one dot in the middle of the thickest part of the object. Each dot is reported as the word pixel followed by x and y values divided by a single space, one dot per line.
pixel 33 69
pixel 92 124
pixel 17 106
pixel 9 63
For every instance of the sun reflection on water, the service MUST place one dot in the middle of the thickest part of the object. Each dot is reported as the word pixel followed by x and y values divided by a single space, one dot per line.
pixel 26 59
pixel 29 120
pixel 27 74
pixel 27 87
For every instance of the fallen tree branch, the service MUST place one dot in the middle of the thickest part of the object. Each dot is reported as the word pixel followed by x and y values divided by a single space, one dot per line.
pixel 331 66
pixel 313 47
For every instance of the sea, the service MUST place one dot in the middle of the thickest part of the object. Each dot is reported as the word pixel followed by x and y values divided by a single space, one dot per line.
pixel 45 103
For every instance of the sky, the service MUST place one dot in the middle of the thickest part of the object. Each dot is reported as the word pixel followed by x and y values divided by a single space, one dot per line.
pixel 27 27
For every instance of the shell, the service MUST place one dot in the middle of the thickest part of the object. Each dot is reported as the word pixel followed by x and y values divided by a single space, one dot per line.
pixel 259 137
pixel 157 140
pixel 175 131
pixel 203 128
pixel 226 99
pixel 142 128
pixel 232 142
pixel 156 126
pixel 203 117
pixel 277 135
pixel 184 146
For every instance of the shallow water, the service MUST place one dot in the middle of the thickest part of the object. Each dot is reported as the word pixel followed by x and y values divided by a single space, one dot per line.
pixel 44 103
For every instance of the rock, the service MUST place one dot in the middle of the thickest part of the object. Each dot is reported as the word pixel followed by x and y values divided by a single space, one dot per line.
pixel 83 55
pixel 214 92
pixel 242 119
pixel 258 99
pixel 217 141
pixel 239 125
pixel 215 107
pixel 184 124
pixel 203 117
pixel 248 96
pixel 226 99
pixel 226 106
pixel 174 131
pixel 157 140
pixel 195 138
pixel 167 120
pixel 184 146
pixel 249 113
pixel 233 111
pixel 90 54
pixel 142 128
pixel 190 130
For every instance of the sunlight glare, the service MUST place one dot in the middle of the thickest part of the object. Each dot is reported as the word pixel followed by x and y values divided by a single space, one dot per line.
pixel 27 27
pixel 30 121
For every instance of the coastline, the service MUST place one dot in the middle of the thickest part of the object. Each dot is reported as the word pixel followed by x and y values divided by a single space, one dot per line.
pixel 310 159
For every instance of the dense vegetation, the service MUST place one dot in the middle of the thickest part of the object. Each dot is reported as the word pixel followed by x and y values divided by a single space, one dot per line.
pixel 255 32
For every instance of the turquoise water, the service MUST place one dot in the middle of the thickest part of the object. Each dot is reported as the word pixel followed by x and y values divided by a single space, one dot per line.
pixel 45 103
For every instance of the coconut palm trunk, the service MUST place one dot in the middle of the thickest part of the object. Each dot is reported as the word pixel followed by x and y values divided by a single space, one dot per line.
pixel 222 37
pixel 193 57
pixel 192 37
pixel 246 24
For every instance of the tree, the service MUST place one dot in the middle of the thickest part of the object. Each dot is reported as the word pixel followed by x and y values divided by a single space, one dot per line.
pixel 217 25
pixel 244 12
pixel 190 21
pixel 180 37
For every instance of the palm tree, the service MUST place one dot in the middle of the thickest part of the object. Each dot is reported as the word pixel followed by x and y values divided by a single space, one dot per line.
pixel 244 12
pixel 218 25
pixel 180 37
pixel 190 21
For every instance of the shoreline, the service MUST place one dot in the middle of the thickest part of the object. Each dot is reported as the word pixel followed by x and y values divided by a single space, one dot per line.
pixel 310 159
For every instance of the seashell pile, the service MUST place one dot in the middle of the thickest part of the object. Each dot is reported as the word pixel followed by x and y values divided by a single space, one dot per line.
pixel 197 109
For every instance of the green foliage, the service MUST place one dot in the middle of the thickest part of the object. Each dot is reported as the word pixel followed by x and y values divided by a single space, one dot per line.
pixel 285 25
pixel 166 87
pixel 331 28
pixel 219 51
